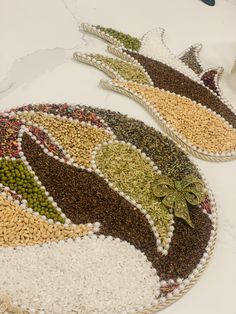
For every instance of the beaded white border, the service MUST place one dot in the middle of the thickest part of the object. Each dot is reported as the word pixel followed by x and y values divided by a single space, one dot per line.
pixel 179 138
pixel 95 31
pixel 160 247
pixel 117 51
pixel 22 203
pixel 196 48
pixel 91 58
pixel 118 45
pixel 187 283
pixel 197 151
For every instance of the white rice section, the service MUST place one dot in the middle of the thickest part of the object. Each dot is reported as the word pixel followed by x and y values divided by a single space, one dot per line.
pixel 88 275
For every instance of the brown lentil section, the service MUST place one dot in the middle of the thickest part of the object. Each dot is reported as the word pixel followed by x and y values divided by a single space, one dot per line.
pixel 187 246
pixel 85 197
pixel 170 79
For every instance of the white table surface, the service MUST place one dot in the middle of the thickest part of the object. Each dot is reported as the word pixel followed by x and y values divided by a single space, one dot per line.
pixel 37 39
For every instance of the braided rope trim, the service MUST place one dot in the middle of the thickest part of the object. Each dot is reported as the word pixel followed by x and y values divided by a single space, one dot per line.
pixel 92 30
pixel 166 129
pixel 174 298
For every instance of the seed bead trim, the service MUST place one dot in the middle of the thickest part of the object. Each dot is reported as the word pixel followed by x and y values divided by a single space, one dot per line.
pixel 190 57
pixel 84 136
pixel 153 46
pixel 163 226
pixel 209 77
pixel 127 55
pixel 167 291
pixel 123 70
pixel 183 107
pixel 202 151
pixel 119 45
pixel 159 52
pixel 198 152
pixel 63 110
pixel 20 227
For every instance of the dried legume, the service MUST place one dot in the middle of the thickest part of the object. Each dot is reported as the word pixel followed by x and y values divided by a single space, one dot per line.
pixel 170 79
pixel 194 122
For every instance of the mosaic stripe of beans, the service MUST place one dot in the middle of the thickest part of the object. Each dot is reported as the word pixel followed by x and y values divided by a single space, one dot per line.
pixel 126 70
pixel 15 175
pixel 19 227
pixel 81 114
pixel 79 140
pixel 196 123
pixel 86 197
pixel 130 173
pixel 128 41
pixel 170 79
pixel 162 150
pixel 95 201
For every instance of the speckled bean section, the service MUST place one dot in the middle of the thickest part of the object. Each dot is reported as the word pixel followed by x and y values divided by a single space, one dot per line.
pixel 70 111
pixel 169 79
pixel 190 59
pixel 162 150
pixel 95 201
pixel 202 128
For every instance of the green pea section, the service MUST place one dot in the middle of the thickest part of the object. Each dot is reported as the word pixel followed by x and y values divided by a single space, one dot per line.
pixel 128 71
pixel 132 174
pixel 15 175
pixel 128 41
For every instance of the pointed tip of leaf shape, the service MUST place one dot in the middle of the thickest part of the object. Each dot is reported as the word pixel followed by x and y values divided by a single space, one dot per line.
pixel 124 69
pixel 126 40
pixel 181 210
pixel 210 79
pixel 190 58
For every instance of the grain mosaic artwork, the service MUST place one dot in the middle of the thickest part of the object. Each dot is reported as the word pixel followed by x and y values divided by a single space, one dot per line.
pixel 99 213
pixel 185 99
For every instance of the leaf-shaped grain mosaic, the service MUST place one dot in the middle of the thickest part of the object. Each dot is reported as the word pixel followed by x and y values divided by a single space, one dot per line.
pixel 196 115
pixel 102 212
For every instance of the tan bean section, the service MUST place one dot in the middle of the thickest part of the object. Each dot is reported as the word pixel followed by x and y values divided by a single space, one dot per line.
pixel 79 140
pixel 196 123
pixel 19 227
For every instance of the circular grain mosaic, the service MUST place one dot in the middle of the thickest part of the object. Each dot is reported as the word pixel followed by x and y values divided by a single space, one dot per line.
pixel 99 213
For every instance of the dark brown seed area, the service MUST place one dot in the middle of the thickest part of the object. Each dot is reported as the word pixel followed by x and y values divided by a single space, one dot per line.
pixel 84 197
pixel 170 79
pixel 168 157
pixel 187 246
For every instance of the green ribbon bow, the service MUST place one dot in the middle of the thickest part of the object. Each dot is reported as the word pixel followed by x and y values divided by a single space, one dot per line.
pixel 177 194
